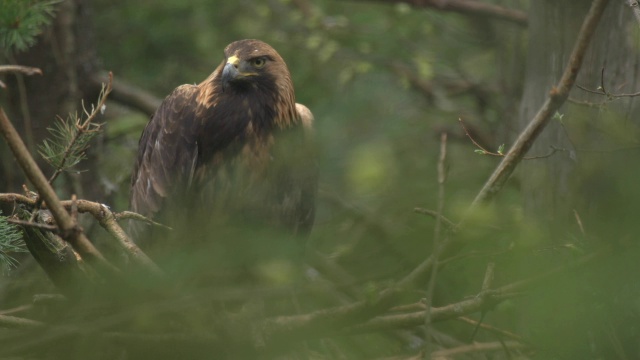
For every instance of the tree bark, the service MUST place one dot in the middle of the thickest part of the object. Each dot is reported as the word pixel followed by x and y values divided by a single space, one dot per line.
pixel 576 180
pixel 66 54
pixel 578 196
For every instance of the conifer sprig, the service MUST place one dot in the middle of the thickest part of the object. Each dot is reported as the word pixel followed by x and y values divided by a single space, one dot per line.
pixel 10 243
pixel 22 20
pixel 70 138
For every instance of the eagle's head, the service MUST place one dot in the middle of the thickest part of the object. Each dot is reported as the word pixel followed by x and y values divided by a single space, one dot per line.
pixel 253 65
pixel 252 79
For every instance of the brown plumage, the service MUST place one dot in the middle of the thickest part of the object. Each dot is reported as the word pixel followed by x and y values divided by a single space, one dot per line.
pixel 234 146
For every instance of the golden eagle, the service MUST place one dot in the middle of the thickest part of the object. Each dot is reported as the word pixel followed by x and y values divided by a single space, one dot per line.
pixel 237 146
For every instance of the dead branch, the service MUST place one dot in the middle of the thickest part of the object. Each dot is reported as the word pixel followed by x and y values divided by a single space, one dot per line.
pixel 17 322
pixel 482 301
pixel 27 70
pixel 69 229
pixel 478 348
pixel 437 248
pixel 489 328
pixel 36 225
pixel 107 220
pixel 128 94
pixel 434 214
pixel 123 215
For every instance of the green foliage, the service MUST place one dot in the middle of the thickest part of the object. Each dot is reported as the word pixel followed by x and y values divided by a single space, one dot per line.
pixel 70 138
pixel 22 20
pixel 67 145
pixel 10 242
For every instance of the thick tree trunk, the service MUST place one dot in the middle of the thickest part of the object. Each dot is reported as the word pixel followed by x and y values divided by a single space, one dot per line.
pixel 578 178
pixel 583 196
pixel 66 55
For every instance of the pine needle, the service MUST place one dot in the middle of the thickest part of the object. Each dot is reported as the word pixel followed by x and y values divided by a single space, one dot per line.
pixel 10 242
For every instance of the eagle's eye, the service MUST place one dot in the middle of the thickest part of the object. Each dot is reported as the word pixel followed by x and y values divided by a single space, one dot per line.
pixel 258 62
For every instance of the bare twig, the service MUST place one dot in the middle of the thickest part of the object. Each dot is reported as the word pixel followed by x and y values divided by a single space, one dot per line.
pixel 484 151
pixel 123 215
pixel 609 95
pixel 27 70
pixel 556 98
pixel 69 229
pixel 478 348
pixel 434 214
pixel 483 301
pixel 603 91
pixel 488 276
pixel 83 126
pixel 128 94
pixel 579 221
pixel 17 322
pixel 16 309
pixel 106 218
pixel 37 225
pixel 489 328
pixel 442 176
pixel 486 286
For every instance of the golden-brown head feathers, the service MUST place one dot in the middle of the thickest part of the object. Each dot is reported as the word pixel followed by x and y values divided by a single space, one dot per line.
pixel 252 68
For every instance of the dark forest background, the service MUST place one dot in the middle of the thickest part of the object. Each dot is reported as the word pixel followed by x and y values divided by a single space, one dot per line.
pixel 384 80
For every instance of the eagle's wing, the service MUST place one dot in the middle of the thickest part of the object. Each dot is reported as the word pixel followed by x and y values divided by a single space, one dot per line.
pixel 167 152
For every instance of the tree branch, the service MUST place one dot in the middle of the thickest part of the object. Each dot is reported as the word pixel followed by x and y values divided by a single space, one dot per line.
pixel 478 348
pixel 437 247
pixel 486 299
pixel 557 96
pixel 129 95
pixel 69 229
pixel 106 218
pixel 27 70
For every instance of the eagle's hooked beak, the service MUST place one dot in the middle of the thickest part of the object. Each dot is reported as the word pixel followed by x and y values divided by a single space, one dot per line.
pixel 230 71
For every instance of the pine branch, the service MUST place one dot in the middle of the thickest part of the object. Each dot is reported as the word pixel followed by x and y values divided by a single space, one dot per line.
pixel 21 21
pixel 71 137
pixel 107 220
pixel 10 243
pixel 70 231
